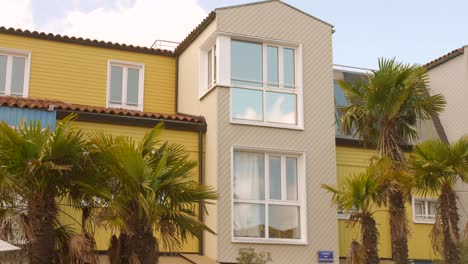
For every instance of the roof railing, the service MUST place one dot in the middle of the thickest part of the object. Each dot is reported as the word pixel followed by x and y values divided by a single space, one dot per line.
pixel 165 44
pixel 352 69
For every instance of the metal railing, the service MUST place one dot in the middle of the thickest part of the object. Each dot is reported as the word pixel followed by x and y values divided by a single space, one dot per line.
pixel 165 44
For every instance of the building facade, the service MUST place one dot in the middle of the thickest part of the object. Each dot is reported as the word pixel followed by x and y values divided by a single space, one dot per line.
pixel 251 95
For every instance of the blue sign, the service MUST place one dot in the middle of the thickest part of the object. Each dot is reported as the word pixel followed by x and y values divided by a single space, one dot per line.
pixel 325 256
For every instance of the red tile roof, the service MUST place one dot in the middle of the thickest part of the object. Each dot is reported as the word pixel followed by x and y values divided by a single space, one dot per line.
pixel 89 42
pixel 195 33
pixel 444 58
pixel 45 104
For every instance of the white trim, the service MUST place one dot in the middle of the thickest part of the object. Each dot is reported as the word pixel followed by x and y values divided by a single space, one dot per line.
pixel 426 202
pixel 301 188
pixel 141 83
pixel 10 53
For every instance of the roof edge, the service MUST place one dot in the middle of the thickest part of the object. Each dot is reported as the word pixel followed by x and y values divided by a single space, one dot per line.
pixel 83 41
pixel 443 59
pixel 192 36
pixel 268 1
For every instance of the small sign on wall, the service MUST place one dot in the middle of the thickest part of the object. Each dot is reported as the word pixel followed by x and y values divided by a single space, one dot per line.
pixel 325 256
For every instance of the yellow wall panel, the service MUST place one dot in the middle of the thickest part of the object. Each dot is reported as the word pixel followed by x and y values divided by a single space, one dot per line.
pixel 351 161
pixel 78 74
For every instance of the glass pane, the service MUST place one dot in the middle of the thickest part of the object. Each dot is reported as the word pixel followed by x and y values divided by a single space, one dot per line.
pixel 3 63
pixel 116 84
pixel 340 98
pixel 432 208
pixel 210 67
pixel 291 178
pixel 246 63
pixel 249 176
pixel 214 62
pixel 284 222
pixel 272 62
pixel 281 108
pixel 275 177
pixel 419 208
pixel 249 220
pixel 132 86
pixel 288 68
pixel 247 104
pixel 17 75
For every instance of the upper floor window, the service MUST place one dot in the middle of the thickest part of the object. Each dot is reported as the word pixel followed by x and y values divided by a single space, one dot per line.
pixel 125 85
pixel 340 102
pixel 264 84
pixel 424 210
pixel 14 72
pixel 211 64
pixel 268 197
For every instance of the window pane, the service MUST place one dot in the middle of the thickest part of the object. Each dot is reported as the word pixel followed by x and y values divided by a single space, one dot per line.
pixel 249 176
pixel 210 67
pixel 246 63
pixel 116 84
pixel 214 62
pixel 275 177
pixel 17 75
pixel 340 98
pixel 419 208
pixel 284 222
pixel 432 208
pixel 3 63
pixel 272 62
pixel 249 220
pixel 291 178
pixel 247 104
pixel 281 108
pixel 132 86
pixel 288 67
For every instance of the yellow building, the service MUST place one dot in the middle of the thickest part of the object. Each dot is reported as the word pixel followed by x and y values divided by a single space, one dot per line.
pixel 123 90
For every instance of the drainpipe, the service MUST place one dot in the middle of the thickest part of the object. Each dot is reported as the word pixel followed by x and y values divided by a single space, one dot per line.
pixel 200 181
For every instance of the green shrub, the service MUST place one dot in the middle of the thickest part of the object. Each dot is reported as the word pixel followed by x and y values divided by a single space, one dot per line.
pixel 249 256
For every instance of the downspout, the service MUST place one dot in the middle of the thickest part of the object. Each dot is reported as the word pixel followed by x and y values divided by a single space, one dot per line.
pixel 177 85
pixel 200 181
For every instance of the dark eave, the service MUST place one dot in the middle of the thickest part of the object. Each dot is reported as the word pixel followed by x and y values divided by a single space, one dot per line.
pixel 351 142
pixel 453 54
pixel 82 41
pixel 195 33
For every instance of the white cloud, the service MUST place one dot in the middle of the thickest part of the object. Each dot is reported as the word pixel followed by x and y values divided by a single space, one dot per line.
pixel 249 114
pixel 138 23
pixel 17 14
pixel 278 114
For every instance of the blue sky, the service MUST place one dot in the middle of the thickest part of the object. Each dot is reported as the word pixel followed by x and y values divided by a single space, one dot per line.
pixel 410 30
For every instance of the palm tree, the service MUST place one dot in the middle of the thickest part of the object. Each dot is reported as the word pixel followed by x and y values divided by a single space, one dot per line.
pixel 38 166
pixel 437 167
pixel 144 188
pixel 384 111
pixel 357 196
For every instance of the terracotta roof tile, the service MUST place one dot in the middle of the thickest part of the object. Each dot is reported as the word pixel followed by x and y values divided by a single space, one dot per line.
pixel 89 42
pixel 444 58
pixel 45 104
pixel 195 33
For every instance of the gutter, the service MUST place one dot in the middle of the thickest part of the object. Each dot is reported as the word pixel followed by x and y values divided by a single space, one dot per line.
pixel 133 121
pixel 200 181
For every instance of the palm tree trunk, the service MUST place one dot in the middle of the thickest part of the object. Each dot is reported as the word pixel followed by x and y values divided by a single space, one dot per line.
pixel 398 228
pixel 144 247
pixel 370 239
pixel 42 212
pixel 450 218
pixel 389 146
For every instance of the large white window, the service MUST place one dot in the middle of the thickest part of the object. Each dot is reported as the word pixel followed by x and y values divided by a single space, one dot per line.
pixel 424 210
pixel 14 72
pixel 268 197
pixel 265 87
pixel 125 85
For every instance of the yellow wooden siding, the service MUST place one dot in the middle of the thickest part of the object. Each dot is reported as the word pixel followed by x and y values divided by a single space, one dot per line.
pixel 351 161
pixel 188 139
pixel 78 73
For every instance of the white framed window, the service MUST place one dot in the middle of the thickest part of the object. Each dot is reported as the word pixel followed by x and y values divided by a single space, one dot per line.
pixel 125 85
pixel 266 84
pixel 14 72
pixel 211 68
pixel 342 215
pixel 424 210
pixel 268 192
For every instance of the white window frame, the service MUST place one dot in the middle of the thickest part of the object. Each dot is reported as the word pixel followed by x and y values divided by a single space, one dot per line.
pixel 426 201
pixel 211 83
pixel 297 90
pixel 10 53
pixel 141 83
pixel 301 188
